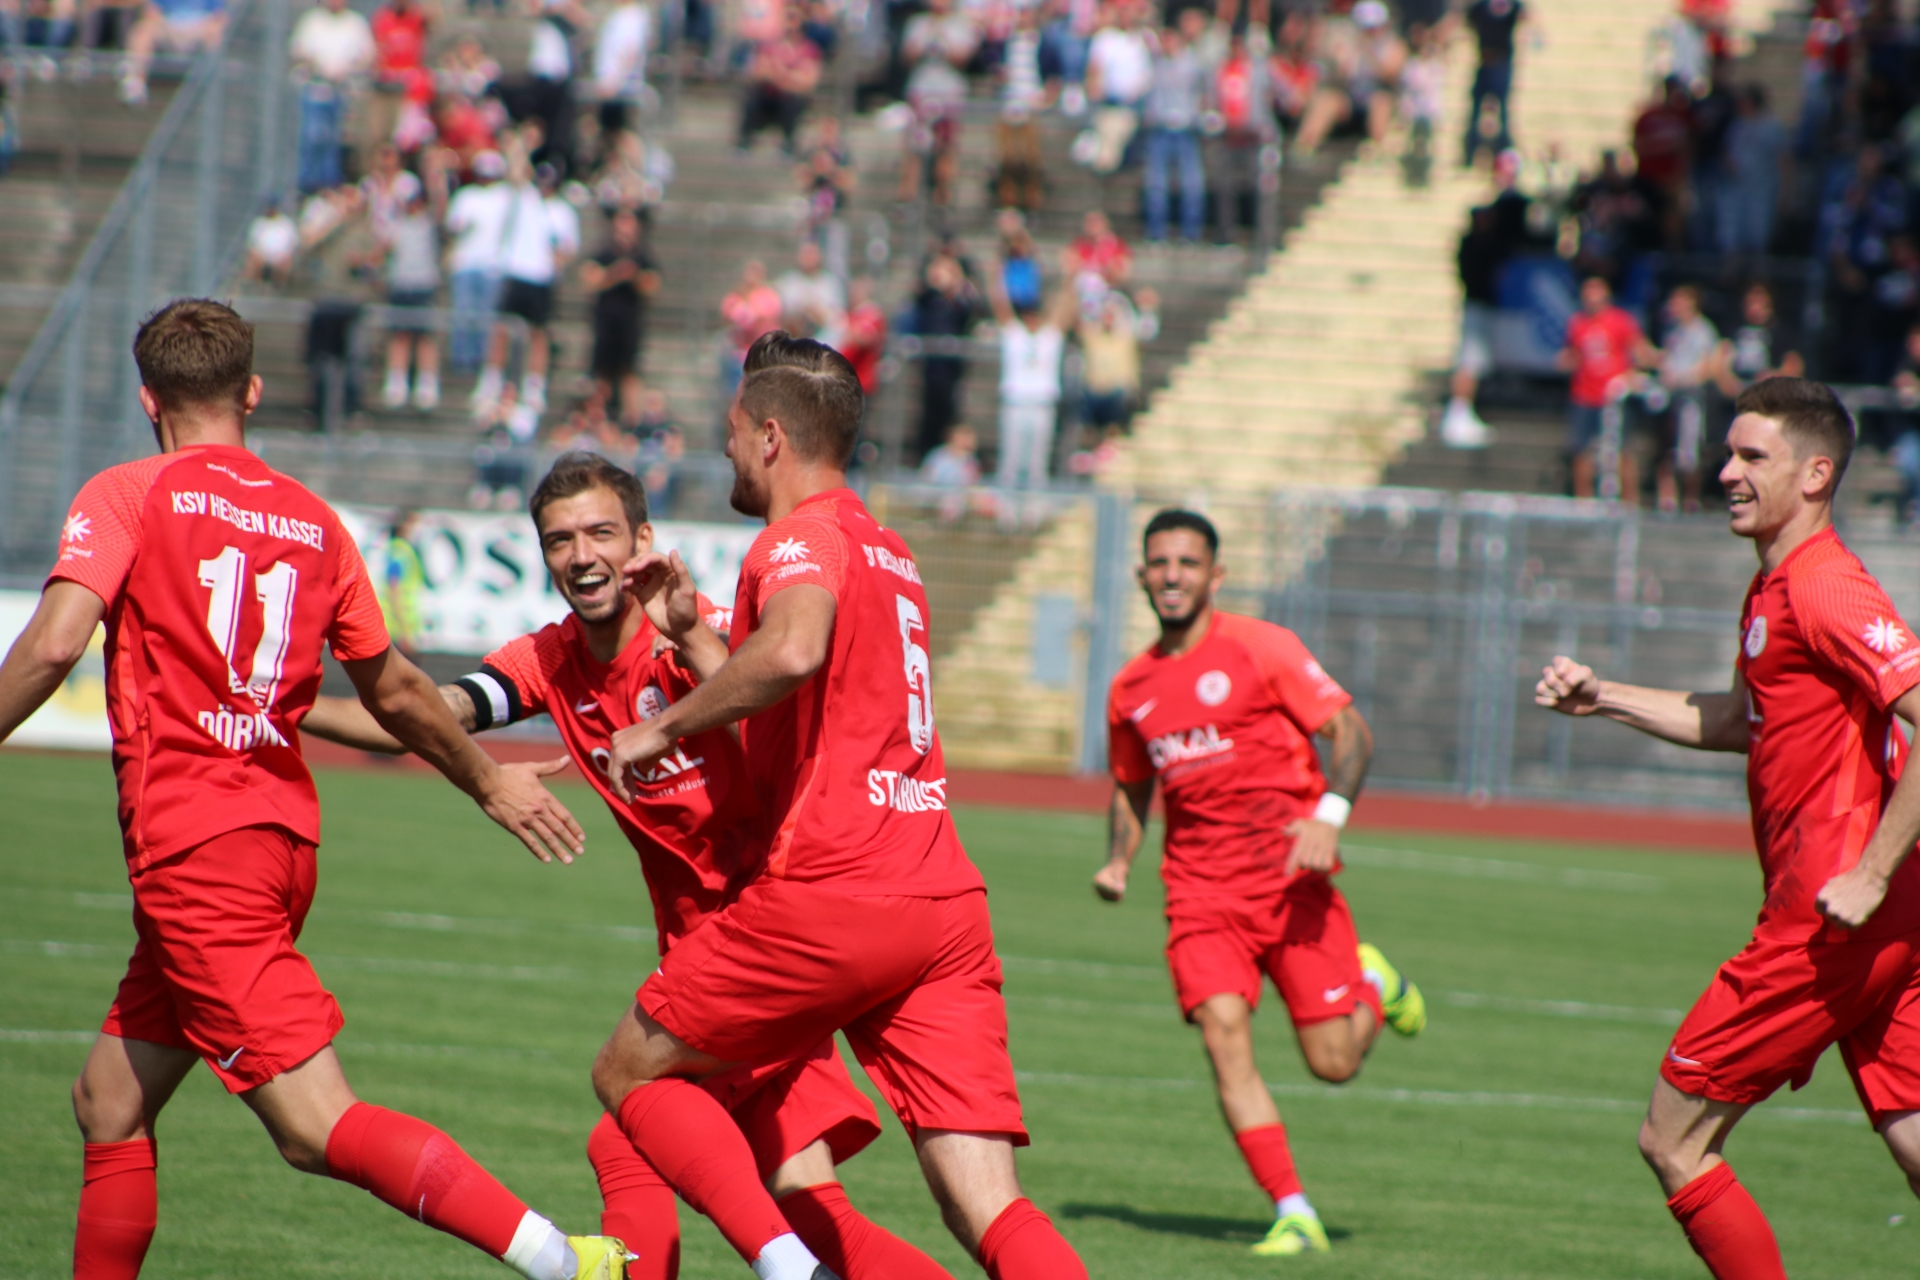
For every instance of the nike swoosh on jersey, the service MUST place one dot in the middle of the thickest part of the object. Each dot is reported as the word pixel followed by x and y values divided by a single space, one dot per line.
pixel 584 707
pixel 1144 710
pixel 1334 993
pixel 226 1063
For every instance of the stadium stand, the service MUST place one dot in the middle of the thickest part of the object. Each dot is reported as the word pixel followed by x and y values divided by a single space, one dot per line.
pixel 1296 386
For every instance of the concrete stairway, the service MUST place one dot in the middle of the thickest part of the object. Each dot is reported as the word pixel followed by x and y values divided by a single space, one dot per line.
pixel 77 146
pixel 1316 376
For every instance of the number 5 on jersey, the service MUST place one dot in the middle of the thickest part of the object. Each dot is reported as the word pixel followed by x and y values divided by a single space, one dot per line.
pixel 919 677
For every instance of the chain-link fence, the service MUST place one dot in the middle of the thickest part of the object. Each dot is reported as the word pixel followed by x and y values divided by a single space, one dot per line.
pixel 178 226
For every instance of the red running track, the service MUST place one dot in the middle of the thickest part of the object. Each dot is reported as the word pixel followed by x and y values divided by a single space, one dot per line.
pixel 1376 810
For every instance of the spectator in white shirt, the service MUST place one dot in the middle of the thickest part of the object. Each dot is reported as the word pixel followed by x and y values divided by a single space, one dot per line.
pixel 331 45
pixel 620 64
pixel 1119 77
pixel 813 302
pixel 477 219
pixel 1032 342
pixel 541 232
pixel 271 243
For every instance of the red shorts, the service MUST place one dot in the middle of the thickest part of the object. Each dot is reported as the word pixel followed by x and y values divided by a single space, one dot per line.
pixel 913 982
pixel 215 969
pixel 1772 1010
pixel 784 1108
pixel 1304 941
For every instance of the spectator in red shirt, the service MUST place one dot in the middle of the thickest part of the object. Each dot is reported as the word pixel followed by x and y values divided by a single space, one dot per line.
pixel 753 308
pixel 780 81
pixel 1662 150
pixel 1097 261
pixel 865 339
pixel 399 59
pixel 1604 345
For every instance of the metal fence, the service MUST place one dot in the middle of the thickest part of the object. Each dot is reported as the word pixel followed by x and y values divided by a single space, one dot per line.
pixel 178 226
pixel 1435 610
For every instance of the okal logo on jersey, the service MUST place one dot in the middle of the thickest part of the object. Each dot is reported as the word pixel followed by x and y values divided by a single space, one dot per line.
pixel 1883 636
pixel 1213 688
pixel 1757 635
pixel 1195 744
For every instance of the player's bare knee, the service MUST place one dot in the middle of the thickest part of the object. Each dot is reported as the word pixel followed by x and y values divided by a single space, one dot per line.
pixel 103 1117
pixel 1335 1064
pixel 1666 1156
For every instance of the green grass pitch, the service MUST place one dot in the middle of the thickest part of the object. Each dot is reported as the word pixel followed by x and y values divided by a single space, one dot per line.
pixel 477 985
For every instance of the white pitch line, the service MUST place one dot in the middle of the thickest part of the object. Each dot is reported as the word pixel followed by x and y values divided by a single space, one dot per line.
pixel 1549 1008
pixel 1562 1008
pixel 1423 1097
pixel 13 1036
pixel 1448 864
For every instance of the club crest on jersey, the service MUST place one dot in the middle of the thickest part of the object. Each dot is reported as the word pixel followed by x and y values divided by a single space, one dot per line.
pixel 1884 636
pixel 1213 688
pixel 649 702
pixel 1757 635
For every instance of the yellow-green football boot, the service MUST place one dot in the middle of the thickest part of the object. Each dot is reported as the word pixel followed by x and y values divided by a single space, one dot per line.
pixel 1400 1000
pixel 1294 1233
pixel 601 1257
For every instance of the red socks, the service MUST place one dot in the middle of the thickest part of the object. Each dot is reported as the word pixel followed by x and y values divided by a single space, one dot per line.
pixel 1023 1245
pixel 1269 1159
pixel 423 1173
pixel 1726 1228
pixel 853 1247
pixel 640 1208
pixel 680 1130
pixel 119 1207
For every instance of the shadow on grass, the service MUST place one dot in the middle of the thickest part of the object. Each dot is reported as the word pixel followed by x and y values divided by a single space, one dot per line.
pixel 1202 1226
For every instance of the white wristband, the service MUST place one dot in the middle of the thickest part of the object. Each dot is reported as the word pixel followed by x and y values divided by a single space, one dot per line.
pixel 1333 810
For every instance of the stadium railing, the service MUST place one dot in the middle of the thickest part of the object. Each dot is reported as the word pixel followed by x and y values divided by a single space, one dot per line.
pixel 1435 610
pixel 178 226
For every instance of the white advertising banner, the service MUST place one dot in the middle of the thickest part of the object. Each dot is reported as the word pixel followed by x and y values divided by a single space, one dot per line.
pixel 485 584
pixel 75 717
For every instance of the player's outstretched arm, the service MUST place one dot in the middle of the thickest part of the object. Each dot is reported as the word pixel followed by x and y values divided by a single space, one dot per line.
pixel 41 656
pixel 1126 827
pixel 1707 721
pixel 1852 897
pixel 790 644
pixel 665 588
pixel 1316 839
pixel 407 705
pixel 348 722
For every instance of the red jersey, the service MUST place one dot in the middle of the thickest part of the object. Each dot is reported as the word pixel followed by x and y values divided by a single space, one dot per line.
pixel 848 767
pixel 1227 728
pixel 1824 655
pixel 222 579
pixel 1604 344
pixel 692 818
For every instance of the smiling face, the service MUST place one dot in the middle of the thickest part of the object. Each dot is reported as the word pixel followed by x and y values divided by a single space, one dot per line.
pixel 586 539
pixel 1180 576
pixel 1767 484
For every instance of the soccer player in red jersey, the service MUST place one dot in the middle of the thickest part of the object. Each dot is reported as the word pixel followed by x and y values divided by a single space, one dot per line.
pixel 219 580
pixel 692 820
pixel 1221 714
pixel 867 915
pixel 1825 664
